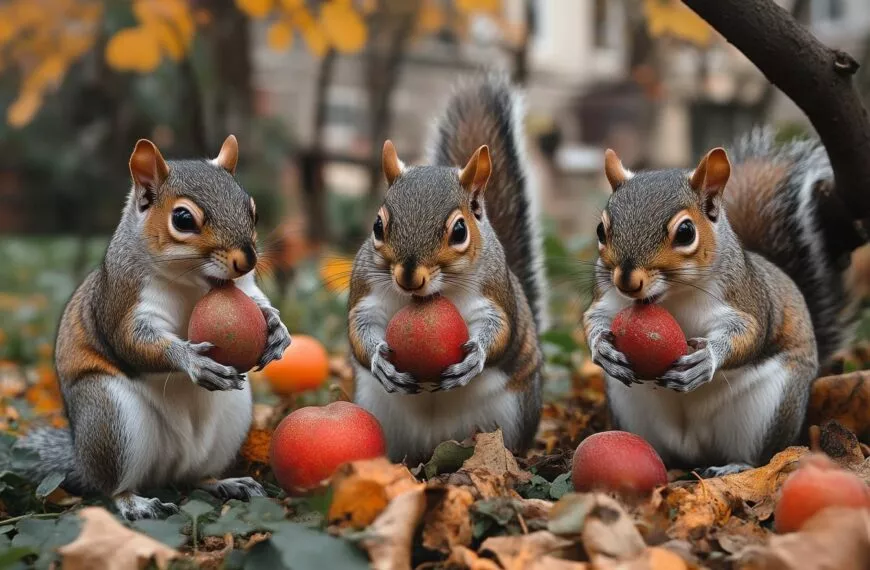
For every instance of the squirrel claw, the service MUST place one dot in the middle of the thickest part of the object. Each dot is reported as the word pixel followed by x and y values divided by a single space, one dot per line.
pixel 278 338
pixel 614 363
pixel 391 379
pixel 691 371
pixel 462 373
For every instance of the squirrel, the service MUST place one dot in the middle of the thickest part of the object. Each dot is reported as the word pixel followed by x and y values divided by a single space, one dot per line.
pixel 462 226
pixel 733 250
pixel 146 407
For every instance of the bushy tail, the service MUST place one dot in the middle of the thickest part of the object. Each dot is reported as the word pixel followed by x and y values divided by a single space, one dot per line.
pixel 488 110
pixel 772 204
pixel 53 453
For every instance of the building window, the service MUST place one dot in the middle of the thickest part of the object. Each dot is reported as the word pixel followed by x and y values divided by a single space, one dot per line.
pixel 607 22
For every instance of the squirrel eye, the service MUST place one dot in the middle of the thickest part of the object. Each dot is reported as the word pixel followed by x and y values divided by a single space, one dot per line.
pixel 378 229
pixel 685 234
pixel 602 235
pixel 459 233
pixel 183 220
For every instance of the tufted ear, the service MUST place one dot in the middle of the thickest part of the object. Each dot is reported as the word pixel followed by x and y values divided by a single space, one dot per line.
pixel 616 173
pixel 476 173
pixel 390 162
pixel 148 170
pixel 709 179
pixel 228 156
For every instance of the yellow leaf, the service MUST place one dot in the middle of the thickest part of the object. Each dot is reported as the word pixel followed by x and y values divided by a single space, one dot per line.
pixel 133 49
pixel 314 37
pixel 172 43
pixel 280 35
pixel 255 8
pixel 23 109
pixel 171 23
pixel 48 74
pixel 673 18
pixel 431 18
pixel 291 5
pixel 344 28
pixel 469 6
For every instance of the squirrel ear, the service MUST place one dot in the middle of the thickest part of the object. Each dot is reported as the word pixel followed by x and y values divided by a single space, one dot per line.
pixel 390 162
pixel 712 172
pixel 614 170
pixel 476 173
pixel 228 157
pixel 148 170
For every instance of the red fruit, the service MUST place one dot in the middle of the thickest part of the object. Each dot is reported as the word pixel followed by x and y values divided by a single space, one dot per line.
pixel 312 442
pixel 427 337
pixel 617 461
pixel 649 337
pixel 813 487
pixel 233 323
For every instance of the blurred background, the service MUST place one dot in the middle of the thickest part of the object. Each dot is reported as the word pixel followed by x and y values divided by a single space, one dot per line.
pixel 312 88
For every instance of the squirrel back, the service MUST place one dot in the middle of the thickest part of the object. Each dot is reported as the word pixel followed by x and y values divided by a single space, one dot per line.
pixel 771 201
pixel 489 111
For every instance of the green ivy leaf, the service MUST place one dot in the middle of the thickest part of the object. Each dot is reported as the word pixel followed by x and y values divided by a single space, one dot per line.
pixel 304 549
pixel 196 508
pixel 51 482
pixel 44 536
pixel 560 486
pixel 166 531
pixel 447 458
pixel 536 488
pixel 15 554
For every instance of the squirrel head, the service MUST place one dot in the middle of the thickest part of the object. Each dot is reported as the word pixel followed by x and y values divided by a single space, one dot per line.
pixel 659 228
pixel 196 221
pixel 428 229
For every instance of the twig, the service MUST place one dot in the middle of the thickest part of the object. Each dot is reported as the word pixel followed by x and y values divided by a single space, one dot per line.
pixel 31 516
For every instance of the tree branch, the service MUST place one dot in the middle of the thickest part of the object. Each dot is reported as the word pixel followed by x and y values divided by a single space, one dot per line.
pixel 819 80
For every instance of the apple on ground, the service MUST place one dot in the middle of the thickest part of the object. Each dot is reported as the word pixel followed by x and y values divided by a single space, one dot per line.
pixel 617 461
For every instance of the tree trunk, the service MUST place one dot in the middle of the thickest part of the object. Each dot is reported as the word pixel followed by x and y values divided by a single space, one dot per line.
pixel 819 80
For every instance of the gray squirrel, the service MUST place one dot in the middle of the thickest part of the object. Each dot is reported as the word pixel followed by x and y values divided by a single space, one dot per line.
pixel 463 226
pixel 146 407
pixel 733 249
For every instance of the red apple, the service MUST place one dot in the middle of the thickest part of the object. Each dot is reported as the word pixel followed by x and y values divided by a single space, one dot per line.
pixel 818 483
pixel 233 323
pixel 426 337
pixel 312 442
pixel 617 461
pixel 649 337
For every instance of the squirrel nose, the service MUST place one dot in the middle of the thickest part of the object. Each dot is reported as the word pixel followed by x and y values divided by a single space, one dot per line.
pixel 629 281
pixel 410 278
pixel 243 259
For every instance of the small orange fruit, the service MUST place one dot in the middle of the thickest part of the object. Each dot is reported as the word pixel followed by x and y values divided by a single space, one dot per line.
pixel 304 366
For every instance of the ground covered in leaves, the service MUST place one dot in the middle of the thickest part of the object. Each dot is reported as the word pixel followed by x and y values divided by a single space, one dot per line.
pixel 472 506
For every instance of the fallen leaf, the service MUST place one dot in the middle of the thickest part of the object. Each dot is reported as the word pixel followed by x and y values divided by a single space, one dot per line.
pixel 492 470
pixel 256 446
pixel 654 558
pixel 363 489
pixel 447 523
pixel 447 457
pixel 463 557
pixel 526 551
pixel 105 544
pixel 840 444
pixel 390 537
pixel 843 397
pixel 835 537
pixel 737 534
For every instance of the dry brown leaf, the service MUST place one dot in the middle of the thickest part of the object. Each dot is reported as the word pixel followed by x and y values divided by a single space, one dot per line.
pixel 105 544
pixel 363 489
pixel 708 502
pixel 491 471
pixel 541 549
pixel 738 534
pixel 600 521
pixel 653 558
pixel 845 398
pixel 390 537
pixel 834 538
pixel 840 444
pixel 462 557
pixel 448 523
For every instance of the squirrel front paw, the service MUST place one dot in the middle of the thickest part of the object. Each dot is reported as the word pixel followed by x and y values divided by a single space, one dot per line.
pixel 391 379
pixel 461 373
pixel 614 363
pixel 691 371
pixel 278 337
pixel 209 374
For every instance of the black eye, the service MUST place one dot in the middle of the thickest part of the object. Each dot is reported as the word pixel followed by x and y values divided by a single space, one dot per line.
pixel 459 232
pixel 183 221
pixel 602 236
pixel 685 234
pixel 378 229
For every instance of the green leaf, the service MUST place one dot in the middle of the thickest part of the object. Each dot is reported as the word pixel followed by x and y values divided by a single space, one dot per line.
pixel 572 515
pixel 560 486
pixel 561 338
pixel 51 482
pixel 44 536
pixel 11 555
pixel 169 533
pixel 264 509
pixel 6 528
pixel 233 521
pixel 304 549
pixel 264 556
pixel 536 488
pixel 447 458
pixel 196 508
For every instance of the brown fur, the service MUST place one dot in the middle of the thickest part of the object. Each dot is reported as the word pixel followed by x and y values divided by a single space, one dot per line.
pixel 752 187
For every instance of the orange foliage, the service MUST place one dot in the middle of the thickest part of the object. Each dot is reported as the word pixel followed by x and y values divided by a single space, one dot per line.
pixel 256 446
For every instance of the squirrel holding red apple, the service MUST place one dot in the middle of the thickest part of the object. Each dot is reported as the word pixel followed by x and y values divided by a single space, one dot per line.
pixel 733 250
pixel 462 227
pixel 146 407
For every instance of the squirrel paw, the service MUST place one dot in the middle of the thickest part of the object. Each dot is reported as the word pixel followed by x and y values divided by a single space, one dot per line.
pixel 723 470
pixel 209 374
pixel 391 379
pixel 691 371
pixel 461 373
pixel 614 363
pixel 278 339
pixel 133 507
pixel 242 488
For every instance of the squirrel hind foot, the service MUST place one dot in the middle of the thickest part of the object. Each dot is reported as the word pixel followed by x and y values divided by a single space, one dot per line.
pixel 722 470
pixel 242 488
pixel 133 507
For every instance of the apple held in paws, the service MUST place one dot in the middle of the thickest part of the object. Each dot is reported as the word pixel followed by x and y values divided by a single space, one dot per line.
pixel 650 337
pixel 426 337
pixel 233 323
